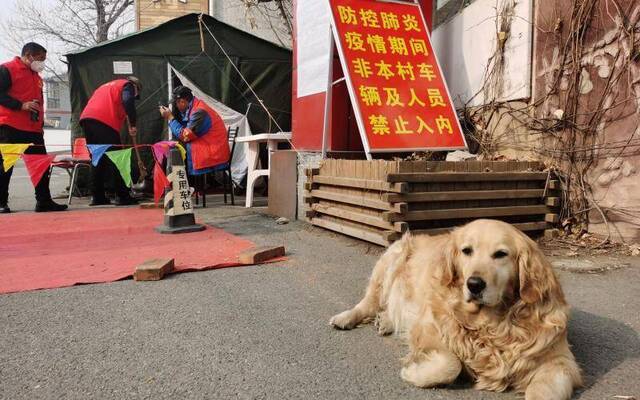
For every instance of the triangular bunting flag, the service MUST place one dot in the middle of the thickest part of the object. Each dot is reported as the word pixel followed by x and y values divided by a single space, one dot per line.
pixel 183 152
pixel 37 165
pixel 122 160
pixel 97 151
pixel 161 150
pixel 160 182
pixel 11 153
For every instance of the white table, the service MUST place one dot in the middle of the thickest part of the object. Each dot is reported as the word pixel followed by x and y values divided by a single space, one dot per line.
pixel 253 141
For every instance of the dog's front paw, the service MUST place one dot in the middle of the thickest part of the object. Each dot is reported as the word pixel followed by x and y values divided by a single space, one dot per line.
pixel 413 373
pixel 431 370
pixel 346 320
pixel 384 324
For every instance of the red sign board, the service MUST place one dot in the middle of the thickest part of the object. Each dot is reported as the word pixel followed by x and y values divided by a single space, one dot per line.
pixel 395 82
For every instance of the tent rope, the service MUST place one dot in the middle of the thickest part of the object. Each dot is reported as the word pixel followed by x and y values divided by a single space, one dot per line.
pixel 201 32
pixel 241 75
pixel 247 83
pixel 222 72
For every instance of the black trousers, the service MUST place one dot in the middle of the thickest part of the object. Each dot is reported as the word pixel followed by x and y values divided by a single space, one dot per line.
pixel 98 133
pixel 10 135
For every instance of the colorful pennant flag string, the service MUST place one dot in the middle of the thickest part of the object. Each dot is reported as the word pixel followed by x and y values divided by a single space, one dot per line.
pixel 37 165
pixel 11 153
pixel 183 152
pixel 161 150
pixel 160 182
pixel 97 151
pixel 122 161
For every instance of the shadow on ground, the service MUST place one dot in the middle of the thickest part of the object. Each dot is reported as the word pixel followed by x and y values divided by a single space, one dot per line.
pixel 600 344
pixel 251 226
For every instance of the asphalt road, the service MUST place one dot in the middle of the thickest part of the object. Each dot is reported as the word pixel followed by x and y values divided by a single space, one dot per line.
pixel 261 332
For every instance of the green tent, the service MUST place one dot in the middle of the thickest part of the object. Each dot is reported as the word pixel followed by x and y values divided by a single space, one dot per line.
pixel 179 43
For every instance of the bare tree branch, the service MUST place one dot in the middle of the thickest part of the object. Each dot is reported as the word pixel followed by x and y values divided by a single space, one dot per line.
pixel 278 19
pixel 86 26
pixel 66 25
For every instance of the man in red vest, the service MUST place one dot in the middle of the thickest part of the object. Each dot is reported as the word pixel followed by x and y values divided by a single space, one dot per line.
pixel 197 125
pixel 108 108
pixel 22 118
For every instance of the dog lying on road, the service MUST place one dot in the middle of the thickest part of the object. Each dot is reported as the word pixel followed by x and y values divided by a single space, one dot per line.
pixel 482 298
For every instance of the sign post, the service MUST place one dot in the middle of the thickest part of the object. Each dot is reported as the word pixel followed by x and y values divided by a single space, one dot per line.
pixel 327 100
pixel 399 96
pixel 178 207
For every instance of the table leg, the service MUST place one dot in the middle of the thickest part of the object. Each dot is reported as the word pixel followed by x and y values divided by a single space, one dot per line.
pixel 253 150
pixel 272 146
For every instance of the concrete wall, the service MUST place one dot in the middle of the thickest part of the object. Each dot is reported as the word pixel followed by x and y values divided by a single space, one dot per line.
pixel 464 46
pixel 610 48
pixel 531 135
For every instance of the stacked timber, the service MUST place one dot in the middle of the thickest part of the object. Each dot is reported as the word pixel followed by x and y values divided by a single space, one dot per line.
pixel 379 200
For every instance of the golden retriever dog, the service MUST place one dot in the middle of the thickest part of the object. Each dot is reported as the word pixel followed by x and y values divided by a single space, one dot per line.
pixel 482 299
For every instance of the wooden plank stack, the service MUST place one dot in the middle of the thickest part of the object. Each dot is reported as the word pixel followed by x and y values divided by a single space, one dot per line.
pixel 379 200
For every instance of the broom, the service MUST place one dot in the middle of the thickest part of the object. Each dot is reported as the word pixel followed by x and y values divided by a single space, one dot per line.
pixel 141 185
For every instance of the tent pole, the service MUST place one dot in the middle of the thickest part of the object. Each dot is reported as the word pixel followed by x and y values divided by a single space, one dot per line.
pixel 170 87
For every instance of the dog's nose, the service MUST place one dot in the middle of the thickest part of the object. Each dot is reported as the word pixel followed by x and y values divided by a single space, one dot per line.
pixel 476 285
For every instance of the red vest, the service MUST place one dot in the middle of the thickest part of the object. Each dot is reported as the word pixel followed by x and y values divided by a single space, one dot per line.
pixel 211 149
pixel 105 105
pixel 26 85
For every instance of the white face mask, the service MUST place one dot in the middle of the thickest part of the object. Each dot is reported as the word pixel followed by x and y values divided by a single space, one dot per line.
pixel 37 66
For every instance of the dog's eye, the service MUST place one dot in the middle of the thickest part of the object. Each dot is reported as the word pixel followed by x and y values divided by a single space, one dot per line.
pixel 467 251
pixel 500 254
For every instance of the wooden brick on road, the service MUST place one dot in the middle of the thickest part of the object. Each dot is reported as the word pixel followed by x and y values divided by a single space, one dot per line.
pixel 257 255
pixel 153 270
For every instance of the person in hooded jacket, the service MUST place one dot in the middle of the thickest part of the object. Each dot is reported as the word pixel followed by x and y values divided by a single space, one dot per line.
pixel 201 129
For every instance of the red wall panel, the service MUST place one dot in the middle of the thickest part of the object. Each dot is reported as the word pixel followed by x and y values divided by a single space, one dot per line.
pixel 308 112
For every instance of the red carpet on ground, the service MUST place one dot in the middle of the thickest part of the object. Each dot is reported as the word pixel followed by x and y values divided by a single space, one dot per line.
pixel 50 250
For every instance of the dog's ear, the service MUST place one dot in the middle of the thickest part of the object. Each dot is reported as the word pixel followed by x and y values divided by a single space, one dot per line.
pixel 449 274
pixel 536 277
